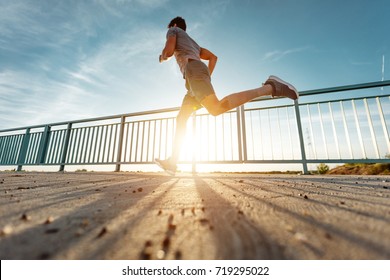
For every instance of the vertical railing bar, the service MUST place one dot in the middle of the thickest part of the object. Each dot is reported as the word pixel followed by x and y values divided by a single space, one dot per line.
pixel 50 148
pixel 166 137
pixel 111 128
pixel 58 150
pixel 82 144
pixel 68 156
pixel 323 131
pixel 62 142
pixel 29 150
pixel 280 133
pixel 9 149
pixel 78 144
pixel 289 133
pixel 87 145
pixel 23 149
pixel 154 139
pixel 346 129
pixel 57 145
pixel 243 129
pixel 46 134
pixel 2 150
pixel 261 136
pixel 100 147
pixel 120 144
pixel 28 147
pixel 334 130
pixel 301 139
pixel 314 150
pixel 160 140
pixel 105 143
pixel 172 133
pixel 127 129
pixel 194 153
pixel 65 147
pixel 19 147
pixel 239 134
pixel 148 143
pixel 92 145
pixel 384 125
pixel 84 149
pixel 38 139
pixel 75 144
pixel 239 146
pixel 131 141
pixel 136 143
pixel 95 158
pixel 223 134
pixel 358 129
pixel 115 144
pixel 270 134
pixel 109 143
pixel 142 141
pixel 252 134
pixel 13 149
pixel 215 138
pixel 370 125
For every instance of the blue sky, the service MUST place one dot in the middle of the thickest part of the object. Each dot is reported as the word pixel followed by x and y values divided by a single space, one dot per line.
pixel 73 59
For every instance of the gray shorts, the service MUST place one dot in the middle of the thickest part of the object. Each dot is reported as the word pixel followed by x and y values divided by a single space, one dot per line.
pixel 198 83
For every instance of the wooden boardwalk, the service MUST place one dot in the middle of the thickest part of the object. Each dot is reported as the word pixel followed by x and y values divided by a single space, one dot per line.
pixel 208 216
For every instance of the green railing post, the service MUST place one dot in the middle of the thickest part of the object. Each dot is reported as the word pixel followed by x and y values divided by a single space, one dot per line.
pixel 66 146
pixel 121 135
pixel 239 138
pixel 301 139
pixel 43 145
pixel 23 149
pixel 243 134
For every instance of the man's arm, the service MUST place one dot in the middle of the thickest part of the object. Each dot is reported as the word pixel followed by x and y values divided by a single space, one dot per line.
pixel 205 54
pixel 169 48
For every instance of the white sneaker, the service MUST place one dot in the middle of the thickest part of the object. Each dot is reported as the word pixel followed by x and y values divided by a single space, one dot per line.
pixel 282 88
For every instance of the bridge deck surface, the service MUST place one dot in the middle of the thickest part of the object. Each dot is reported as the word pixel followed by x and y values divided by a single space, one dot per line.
pixel 208 216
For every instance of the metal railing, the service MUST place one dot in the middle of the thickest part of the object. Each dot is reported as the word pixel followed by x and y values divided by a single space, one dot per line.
pixel 333 125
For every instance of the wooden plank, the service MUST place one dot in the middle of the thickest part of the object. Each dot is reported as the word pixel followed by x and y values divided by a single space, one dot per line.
pixel 209 216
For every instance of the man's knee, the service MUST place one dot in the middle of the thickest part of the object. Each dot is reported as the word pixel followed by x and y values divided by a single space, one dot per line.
pixel 218 108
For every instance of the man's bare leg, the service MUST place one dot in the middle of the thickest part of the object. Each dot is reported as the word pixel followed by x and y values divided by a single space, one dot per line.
pixel 181 127
pixel 217 107
pixel 169 164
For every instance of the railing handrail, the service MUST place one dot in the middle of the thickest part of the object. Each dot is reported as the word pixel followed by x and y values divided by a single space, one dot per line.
pixel 172 109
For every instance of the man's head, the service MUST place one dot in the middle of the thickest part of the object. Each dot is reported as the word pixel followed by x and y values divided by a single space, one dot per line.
pixel 179 22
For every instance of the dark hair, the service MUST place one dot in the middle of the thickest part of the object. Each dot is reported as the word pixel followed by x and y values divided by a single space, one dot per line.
pixel 179 21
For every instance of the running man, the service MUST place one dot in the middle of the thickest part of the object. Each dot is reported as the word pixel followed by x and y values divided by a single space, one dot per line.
pixel 200 92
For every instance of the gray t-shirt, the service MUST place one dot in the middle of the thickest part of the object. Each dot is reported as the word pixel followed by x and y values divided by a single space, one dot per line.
pixel 186 47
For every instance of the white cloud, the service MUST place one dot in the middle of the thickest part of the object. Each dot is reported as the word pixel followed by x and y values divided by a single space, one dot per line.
pixel 277 54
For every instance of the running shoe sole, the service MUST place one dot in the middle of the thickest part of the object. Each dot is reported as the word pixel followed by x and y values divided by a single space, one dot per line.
pixel 160 164
pixel 290 86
